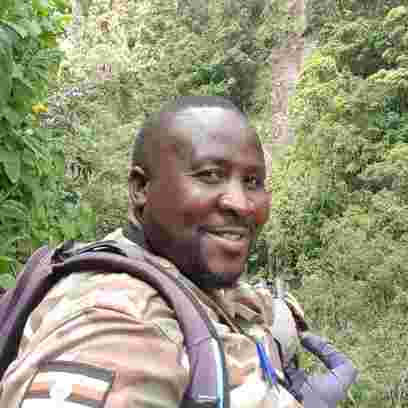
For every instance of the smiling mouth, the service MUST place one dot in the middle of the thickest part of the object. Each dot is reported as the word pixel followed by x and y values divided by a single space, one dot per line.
pixel 231 236
pixel 231 239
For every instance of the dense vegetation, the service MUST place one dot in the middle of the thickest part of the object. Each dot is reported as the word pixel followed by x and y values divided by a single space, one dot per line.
pixel 339 226
pixel 340 214
pixel 32 198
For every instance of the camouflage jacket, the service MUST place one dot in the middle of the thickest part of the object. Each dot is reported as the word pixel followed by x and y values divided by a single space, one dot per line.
pixel 110 340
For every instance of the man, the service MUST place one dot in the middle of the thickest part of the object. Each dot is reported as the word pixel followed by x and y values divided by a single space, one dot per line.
pixel 197 200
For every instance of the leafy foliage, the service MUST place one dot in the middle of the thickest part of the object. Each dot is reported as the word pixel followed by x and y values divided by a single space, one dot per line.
pixel 31 160
pixel 340 211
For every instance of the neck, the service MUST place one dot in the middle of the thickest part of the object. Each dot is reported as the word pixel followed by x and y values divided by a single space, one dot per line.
pixel 134 232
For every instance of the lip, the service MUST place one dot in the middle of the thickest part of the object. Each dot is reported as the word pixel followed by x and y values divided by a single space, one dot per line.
pixel 238 246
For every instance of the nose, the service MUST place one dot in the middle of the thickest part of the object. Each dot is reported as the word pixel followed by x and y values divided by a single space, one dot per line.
pixel 235 199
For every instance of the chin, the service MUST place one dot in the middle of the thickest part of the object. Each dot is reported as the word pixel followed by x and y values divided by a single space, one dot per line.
pixel 210 279
pixel 210 272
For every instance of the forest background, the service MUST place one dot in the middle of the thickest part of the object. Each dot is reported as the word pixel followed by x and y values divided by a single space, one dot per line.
pixel 77 79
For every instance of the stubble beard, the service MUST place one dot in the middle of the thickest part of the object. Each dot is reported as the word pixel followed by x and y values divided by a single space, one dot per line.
pixel 200 274
pixel 188 257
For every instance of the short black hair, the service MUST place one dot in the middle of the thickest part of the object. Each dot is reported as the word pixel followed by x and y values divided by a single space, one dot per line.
pixel 153 124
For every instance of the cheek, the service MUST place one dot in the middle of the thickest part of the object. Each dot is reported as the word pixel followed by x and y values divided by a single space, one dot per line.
pixel 181 203
pixel 196 203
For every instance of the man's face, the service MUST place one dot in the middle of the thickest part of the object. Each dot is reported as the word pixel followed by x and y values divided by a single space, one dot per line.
pixel 206 199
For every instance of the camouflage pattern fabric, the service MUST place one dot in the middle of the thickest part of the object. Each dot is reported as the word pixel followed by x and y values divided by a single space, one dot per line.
pixel 109 340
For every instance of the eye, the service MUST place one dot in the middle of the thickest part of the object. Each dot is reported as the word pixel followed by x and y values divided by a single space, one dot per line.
pixel 211 176
pixel 254 182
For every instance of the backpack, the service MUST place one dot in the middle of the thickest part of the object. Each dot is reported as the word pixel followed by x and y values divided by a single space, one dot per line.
pixel 47 267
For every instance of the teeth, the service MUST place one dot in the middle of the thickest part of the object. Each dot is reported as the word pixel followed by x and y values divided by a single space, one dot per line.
pixel 232 237
pixel 228 235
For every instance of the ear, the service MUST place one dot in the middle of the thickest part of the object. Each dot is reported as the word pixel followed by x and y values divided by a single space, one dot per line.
pixel 138 180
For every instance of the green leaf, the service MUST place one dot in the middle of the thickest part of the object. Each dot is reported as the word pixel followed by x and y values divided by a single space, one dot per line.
pixel 63 21
pixel 13 210
pixel 39 149
pixel 69 229
pixel 28 157
pixel 15 118
pixel 49 40
pixel 12 165
pixel 6 70
pixel 18 71
pixel 7 281
pixel 4 264
pixel 33 28
pixel 8 245
pixel 8 35
pixel 41 6
pixel 61 5
pixel 21 31
pixel 3 154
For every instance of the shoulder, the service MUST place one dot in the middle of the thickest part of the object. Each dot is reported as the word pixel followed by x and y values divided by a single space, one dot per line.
pixel 110 323
pixel 113 296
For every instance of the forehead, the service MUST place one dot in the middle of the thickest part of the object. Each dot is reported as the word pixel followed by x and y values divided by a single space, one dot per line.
pixel 212 133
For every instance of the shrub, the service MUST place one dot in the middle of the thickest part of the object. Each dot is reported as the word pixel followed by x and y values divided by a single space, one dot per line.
pixel 31 157
pixel 340 208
